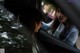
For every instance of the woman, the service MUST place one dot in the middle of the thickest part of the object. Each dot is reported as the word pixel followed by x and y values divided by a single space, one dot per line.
pixel 70 32
pixel 33 23
pixel 29 17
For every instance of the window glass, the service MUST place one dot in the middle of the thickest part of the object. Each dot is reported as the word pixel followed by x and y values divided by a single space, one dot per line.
pixel 12 39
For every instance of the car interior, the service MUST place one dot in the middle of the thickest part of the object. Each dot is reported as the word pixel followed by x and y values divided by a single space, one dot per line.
pixel 48 33
pixel 50 40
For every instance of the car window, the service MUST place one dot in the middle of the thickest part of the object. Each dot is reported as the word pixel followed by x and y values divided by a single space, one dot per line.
pixel 59 25
pixel 12 39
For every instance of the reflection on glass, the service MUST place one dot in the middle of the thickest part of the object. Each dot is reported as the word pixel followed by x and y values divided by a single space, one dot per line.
pixel 16 26
pixel 4 35
pixel 0 26
pixel 11 39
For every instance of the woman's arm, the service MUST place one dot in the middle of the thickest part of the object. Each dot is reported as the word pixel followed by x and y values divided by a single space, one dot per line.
pixel 72 38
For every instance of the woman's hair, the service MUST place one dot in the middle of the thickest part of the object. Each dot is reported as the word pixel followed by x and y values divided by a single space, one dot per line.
pixel 30 18
pixel 68 25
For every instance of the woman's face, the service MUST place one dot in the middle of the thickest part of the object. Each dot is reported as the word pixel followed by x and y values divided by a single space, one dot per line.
pixel 37 27
pixel 62 18
pixel 57 14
